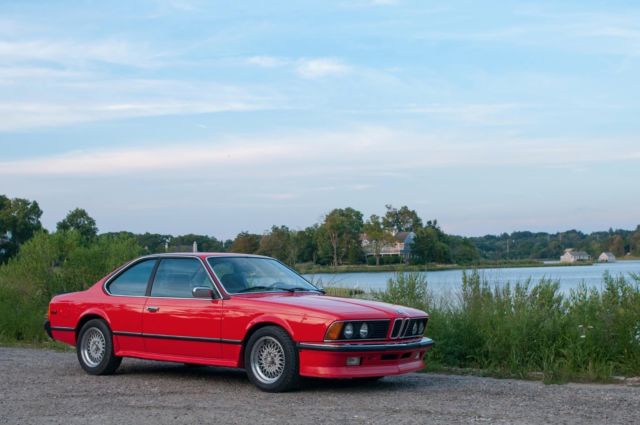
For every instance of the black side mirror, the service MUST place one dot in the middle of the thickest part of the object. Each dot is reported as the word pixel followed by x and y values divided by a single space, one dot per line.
pixel 203 292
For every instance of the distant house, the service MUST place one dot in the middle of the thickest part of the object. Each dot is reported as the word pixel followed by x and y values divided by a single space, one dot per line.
pixel 607 257
pixel 400 246
pixel 572 256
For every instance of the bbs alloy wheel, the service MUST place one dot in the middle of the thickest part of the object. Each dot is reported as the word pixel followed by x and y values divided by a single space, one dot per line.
pixel 95 348
pixel 271 360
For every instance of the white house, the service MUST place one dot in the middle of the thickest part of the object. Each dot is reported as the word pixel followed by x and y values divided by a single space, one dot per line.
pixel 607 257
pixel 401 245
pixel 572 256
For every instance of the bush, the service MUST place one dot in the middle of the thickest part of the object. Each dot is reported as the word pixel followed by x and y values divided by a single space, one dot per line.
pixel 409 289
pixel 516 329
pixel 49 264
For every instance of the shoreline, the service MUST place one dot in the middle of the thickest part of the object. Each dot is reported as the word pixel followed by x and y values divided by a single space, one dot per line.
pixel 386 268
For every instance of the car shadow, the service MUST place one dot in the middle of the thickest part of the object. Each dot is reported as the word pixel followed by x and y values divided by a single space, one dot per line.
pixel 147 368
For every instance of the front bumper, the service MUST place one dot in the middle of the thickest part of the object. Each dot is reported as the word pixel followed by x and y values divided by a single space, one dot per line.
pixel 360 348
pixel 329 360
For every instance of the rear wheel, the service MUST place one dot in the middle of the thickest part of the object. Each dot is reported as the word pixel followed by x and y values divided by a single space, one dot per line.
pixel 271 360
pixel 95 348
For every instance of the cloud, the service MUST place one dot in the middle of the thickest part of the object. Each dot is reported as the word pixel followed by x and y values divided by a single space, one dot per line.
pixel 306 68
pixel 68 103
pixel 266 61
pixel 322 67
pixel 362 152
pixel 72 52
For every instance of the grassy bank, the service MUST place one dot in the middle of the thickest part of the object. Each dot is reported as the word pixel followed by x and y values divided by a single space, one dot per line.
pixel 530 329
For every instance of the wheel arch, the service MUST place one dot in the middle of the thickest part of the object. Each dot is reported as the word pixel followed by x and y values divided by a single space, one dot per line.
pixel 256 326
pixel 90 315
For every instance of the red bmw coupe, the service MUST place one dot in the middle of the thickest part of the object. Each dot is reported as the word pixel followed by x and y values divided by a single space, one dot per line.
pixel 235 310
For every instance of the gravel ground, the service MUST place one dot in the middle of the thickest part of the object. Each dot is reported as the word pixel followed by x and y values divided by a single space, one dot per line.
pixel 43 386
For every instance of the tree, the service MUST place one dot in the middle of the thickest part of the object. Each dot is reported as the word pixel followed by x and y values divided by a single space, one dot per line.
pixel 19 221
pixel 401 220
pixel 305 246
pixel 429 246
pixel 343 227
pixel 245 242
pixel 616 246
pixel 205 243
pixel 377 235
pixel 80 221
pixel 277 243
pixel 634 242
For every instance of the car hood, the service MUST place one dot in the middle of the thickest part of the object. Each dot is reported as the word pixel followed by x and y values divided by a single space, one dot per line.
pixel 343 308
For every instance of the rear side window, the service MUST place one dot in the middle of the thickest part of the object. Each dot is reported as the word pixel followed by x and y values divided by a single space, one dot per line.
pixel 133 281
pixel 176 278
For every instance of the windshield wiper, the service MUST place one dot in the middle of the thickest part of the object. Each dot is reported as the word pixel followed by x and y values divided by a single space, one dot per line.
pixel 255 288
pixel 301 289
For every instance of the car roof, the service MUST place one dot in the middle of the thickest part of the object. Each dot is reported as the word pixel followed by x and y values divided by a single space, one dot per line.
pixel 203 254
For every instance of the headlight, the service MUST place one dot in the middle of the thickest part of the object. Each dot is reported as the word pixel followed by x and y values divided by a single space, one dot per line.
pixel 364 331
pixel 421 329
pixel 414 329
pixel 348 331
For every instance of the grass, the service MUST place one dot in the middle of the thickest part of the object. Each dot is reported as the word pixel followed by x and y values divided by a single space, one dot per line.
pixel 529 329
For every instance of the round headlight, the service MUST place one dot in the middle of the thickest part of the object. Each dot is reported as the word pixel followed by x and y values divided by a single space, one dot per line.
pixel 348 331
pixel 421 328
pixel 414 329
pixel 364 330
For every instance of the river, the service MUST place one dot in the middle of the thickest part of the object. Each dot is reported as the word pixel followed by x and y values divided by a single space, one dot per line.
pixel 447 281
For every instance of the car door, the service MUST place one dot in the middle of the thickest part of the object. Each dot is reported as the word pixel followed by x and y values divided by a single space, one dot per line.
pixel 175 324
pixel 127 298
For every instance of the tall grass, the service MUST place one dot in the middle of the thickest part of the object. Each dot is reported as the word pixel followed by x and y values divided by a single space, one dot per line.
pixel 516 329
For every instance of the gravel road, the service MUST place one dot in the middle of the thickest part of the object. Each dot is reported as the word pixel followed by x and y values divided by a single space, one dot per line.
pixel 43 386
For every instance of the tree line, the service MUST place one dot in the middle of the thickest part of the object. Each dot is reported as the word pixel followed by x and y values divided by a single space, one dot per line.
pixel 336 240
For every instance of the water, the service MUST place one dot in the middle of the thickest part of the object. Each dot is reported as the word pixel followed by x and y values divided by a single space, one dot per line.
pixel 447 281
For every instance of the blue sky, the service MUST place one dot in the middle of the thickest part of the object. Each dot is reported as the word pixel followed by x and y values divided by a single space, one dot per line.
pixel 216 117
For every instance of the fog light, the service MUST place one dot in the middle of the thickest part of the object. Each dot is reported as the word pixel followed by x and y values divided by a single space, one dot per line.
pixel 353 361
pixel 418 355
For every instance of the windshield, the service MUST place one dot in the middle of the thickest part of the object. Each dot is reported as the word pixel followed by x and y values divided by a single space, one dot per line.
pixel 252 274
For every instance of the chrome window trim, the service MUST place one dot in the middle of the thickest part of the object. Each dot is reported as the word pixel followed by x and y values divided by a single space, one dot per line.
pixel 317 290
pixel 160 257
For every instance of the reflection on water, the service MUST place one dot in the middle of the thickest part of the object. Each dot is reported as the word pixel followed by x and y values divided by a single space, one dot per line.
pixel 446 281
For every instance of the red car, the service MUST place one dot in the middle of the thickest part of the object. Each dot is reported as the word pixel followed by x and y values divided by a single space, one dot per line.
pixel 239 311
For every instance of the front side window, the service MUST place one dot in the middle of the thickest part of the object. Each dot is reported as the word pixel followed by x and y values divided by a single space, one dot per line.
pixel 134 280
pixel 254 274
pixel 176 278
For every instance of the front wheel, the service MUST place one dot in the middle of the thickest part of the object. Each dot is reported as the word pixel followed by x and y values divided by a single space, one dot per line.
pixel 271 360
pixel 95 349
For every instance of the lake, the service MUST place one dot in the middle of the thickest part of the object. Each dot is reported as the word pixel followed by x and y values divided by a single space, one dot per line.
pixel 446 281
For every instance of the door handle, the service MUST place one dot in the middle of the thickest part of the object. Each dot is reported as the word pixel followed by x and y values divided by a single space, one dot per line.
pixel 153 309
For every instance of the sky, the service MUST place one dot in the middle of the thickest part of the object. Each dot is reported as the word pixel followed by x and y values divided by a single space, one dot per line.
pixel 215 117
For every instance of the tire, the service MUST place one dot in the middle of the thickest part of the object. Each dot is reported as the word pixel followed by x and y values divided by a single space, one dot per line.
pixel 271 360
pixel 95 349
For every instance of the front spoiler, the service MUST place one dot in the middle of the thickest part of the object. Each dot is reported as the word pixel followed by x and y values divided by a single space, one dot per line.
pixel 357 348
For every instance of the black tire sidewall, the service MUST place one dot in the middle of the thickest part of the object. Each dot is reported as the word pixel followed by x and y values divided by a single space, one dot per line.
pixel 109 362
pixel 290 376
